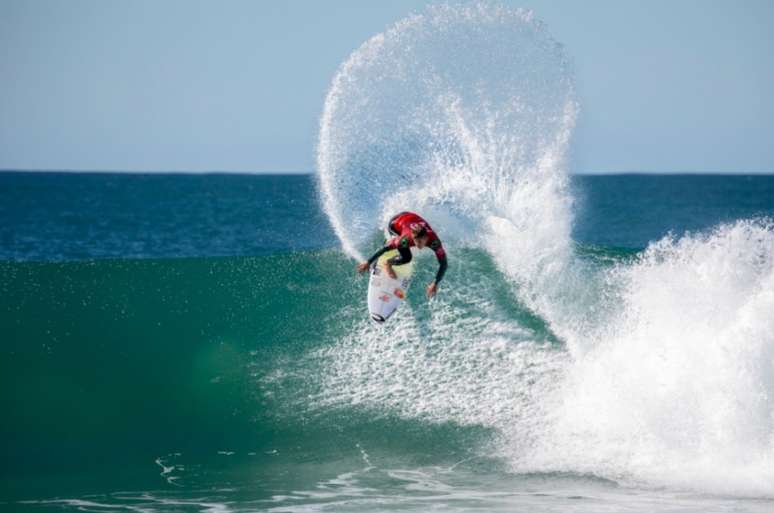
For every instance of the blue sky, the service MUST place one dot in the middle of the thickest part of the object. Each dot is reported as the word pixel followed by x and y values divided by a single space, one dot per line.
pixel 239 85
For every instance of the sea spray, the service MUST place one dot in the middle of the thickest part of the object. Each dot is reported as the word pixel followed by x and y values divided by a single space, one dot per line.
pixel 656 371
pixel 463 113
pixel 474 359
pixel 448 113
pixel 678 387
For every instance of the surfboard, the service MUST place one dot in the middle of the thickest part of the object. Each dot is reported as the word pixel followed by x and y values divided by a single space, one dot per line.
pixel 386 294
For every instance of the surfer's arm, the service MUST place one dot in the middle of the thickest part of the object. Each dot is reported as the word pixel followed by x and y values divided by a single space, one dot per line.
pixel 441 269
pixel 440 254
pixel 404 252
pixel 378 254
pixel 403 257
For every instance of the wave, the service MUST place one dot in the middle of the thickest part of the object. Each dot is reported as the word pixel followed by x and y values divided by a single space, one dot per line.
pixel 674 386
pixel 539 355
pixel 654 368
pixel 139 360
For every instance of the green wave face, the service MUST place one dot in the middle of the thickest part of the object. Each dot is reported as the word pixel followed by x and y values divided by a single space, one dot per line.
pixel 122 362
pixel 263 376
pixel 142 346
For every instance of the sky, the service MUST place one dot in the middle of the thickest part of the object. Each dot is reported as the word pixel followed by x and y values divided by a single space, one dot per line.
pixel 663 86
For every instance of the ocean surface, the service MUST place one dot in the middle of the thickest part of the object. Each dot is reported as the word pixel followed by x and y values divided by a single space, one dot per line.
pixel 201 343
pixel 176 343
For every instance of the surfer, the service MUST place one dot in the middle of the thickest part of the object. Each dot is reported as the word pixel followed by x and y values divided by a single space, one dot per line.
pixel 409 230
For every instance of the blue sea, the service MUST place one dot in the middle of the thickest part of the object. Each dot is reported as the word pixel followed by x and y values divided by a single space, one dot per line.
pixel 201 343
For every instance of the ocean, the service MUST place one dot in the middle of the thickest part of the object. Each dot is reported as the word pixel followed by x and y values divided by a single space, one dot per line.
pixel 201 343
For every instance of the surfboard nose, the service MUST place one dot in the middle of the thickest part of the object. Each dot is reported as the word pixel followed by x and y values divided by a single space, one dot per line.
pixel 377 318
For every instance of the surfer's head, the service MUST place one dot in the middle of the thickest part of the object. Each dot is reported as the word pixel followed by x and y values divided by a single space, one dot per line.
pixel 419 232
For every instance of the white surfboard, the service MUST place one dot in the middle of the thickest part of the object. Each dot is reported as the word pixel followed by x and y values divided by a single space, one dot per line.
pixel 386 294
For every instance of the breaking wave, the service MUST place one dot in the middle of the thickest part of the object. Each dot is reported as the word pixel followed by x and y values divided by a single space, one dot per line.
pixel 655 369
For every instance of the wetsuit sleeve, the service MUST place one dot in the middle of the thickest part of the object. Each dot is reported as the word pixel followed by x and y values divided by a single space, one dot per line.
pixel 404 253
pixel 441 269
pixel 440 254
pixel 378 254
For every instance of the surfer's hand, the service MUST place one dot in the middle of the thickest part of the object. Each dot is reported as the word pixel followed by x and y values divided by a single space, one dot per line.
pixel 362 267
pixel 432 289
pixel 390 272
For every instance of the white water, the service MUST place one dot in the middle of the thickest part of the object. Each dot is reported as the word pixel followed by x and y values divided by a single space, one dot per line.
pixel 677 388
pixel 439 114
pixel 666 372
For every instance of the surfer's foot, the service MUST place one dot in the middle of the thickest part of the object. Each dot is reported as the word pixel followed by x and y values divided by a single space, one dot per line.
pixel 390 272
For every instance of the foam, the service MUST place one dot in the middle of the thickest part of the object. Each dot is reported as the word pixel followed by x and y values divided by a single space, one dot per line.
pixel 439 114
pixel 665 374
pixel 676 388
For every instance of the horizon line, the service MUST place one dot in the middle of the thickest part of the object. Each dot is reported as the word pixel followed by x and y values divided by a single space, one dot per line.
pixel 307 172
